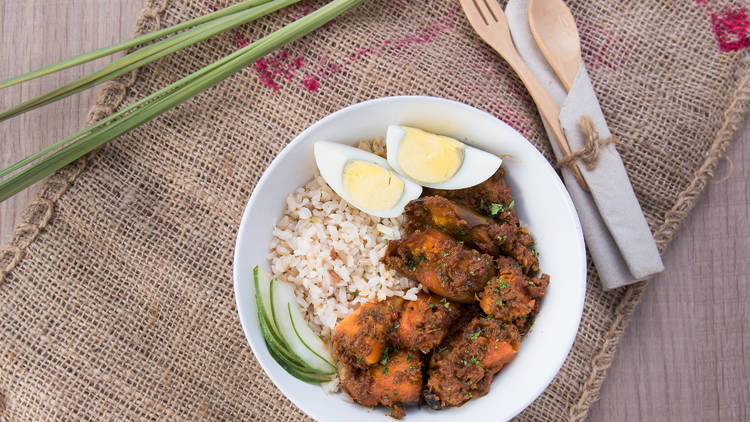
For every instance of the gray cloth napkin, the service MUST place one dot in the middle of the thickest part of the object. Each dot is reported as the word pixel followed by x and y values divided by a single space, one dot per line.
pixel 615 230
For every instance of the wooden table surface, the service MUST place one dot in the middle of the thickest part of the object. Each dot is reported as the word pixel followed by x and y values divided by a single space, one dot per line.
pixel 686 354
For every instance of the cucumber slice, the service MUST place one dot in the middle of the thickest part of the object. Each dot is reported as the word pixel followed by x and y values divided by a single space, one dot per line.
pixel 308 338
pixel 281 354
pixel 297 334
pixel 278 346
pixel 263 297
pixel 265 319
pixel 296 372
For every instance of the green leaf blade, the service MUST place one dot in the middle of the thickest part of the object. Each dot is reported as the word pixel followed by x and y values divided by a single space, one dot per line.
pixel 106 51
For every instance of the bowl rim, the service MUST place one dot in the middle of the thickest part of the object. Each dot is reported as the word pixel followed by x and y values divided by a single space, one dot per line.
pixel 243 228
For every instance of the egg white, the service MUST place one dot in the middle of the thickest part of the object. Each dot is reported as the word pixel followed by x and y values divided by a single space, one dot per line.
pixel 331 157
pixel 477 165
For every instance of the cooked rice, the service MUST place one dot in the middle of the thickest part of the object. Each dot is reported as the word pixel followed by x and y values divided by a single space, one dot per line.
pixel 331 251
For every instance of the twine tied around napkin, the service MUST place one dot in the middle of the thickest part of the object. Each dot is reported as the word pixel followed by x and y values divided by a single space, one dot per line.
pixel 590 151
pixel 616 231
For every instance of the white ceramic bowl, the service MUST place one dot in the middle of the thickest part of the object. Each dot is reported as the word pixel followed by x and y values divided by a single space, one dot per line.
pixel 542 204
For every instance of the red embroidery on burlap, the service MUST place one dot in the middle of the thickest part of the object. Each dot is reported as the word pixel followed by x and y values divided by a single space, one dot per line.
pixel 327 69
pixel 277 66
pixel 239 40
pixel 311 83
pixel 731 26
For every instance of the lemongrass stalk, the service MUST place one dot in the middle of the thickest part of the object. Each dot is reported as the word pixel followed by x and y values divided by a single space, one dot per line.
pixel 120 113
pixel 106 51
pixel 147 55
pixel 185 91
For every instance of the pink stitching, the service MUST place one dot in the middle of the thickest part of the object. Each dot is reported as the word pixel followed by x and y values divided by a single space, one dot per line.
pixel 239 40
pixel 310 83
pixel 265 75
pixel 328 68
pixel 732 29
pixel 279 64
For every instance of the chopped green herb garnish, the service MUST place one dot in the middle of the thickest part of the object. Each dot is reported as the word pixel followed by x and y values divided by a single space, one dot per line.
pixel 499 303
pixel 413 262
pixel 531 283
pixel 398 324
pixel 489 316
pixel 385 358
pixel 476 335
pixel 503 284
pixel 502 238
pixel 445 254
pixel 446 303
pixel 496 208
pixel 461 232
pixel 475 361
pixel 355 293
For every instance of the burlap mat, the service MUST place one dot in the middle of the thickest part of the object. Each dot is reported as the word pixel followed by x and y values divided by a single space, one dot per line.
pixel 116 289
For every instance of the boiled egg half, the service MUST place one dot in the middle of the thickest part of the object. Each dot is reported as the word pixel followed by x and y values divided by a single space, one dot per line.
pixel 364 179
pixel 437 161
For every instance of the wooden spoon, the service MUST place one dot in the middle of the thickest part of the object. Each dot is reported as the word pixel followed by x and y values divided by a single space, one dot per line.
pixel 489 21
pixel 556 34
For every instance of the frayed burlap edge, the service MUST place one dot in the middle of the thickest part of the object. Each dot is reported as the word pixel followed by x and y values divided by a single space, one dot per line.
pixel 686 201
pixel 39 211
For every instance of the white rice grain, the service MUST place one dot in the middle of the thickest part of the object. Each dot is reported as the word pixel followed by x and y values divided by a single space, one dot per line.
pixel 331 251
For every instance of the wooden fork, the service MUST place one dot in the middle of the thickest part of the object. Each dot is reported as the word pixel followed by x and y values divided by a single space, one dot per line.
pixel 490 22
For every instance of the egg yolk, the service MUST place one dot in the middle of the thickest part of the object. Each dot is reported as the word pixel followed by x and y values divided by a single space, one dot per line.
pixel 371 186
pixel 429 158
